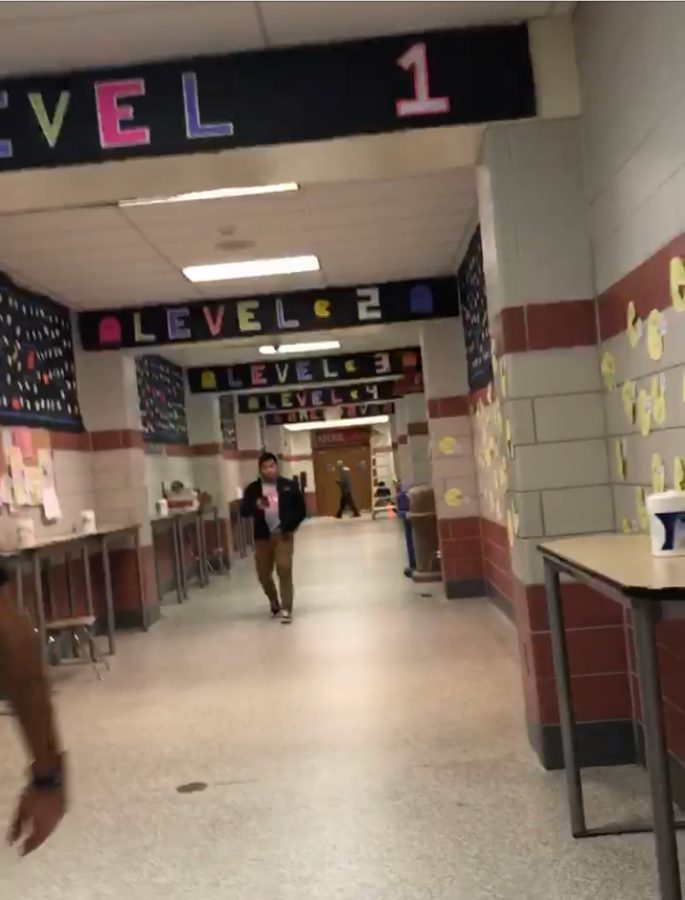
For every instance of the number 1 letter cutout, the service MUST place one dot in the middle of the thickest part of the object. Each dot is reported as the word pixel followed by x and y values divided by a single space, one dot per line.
pixel 421 104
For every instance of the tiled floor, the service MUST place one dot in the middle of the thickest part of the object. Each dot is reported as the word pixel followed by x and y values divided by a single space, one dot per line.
pixel 375 750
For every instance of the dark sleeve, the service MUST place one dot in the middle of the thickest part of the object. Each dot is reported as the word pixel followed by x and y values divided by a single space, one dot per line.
pixel 248 505
pixel 299 505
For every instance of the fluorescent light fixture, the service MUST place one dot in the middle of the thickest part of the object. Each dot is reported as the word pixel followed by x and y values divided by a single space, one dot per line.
pixel 216 194
pixel 337 423
pixel 311 347
pixel 252 268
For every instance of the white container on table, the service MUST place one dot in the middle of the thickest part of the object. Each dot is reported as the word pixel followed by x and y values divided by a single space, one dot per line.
pixel 667 523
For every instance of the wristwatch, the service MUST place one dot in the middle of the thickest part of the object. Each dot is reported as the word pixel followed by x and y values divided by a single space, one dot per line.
pixel 50 779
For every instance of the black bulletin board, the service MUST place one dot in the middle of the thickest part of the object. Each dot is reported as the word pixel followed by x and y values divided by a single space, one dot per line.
pixel 161 395
pixel 229 435
pixel 474 310
pixel 37 374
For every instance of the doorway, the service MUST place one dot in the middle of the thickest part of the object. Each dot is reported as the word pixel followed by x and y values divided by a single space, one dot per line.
pixel 358 458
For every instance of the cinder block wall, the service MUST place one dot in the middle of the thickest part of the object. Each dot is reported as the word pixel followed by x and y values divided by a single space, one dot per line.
pixel 633 137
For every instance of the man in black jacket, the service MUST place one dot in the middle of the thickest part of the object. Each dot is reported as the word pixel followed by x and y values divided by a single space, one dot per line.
pixel 278 509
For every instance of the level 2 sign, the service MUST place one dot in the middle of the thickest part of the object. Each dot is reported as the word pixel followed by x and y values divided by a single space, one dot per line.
pixel 198 322
pixel 278 96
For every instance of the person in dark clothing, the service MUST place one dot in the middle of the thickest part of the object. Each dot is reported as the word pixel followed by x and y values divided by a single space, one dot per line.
pixel 23 681
pixel 278 509
pixel 346 498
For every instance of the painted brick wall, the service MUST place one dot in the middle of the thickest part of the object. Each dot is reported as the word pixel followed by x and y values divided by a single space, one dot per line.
pixel 633 132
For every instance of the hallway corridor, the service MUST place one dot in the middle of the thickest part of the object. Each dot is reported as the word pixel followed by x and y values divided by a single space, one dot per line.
pixel 376 750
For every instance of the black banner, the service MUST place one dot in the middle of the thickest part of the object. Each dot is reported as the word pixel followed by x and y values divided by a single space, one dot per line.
pixel 316 397
pixel 283 96
pixel 312 370
pixel 350 411
pixel 320 310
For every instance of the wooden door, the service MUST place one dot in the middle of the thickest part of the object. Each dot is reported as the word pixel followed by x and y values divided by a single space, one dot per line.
pixel 358 458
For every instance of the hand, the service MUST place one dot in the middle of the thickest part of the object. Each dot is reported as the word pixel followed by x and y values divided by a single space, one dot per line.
pixel 39 812
pixel 263 503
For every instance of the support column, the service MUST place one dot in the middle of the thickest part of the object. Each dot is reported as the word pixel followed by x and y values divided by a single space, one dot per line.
pixel 209 471
pixel 108 394
pixel 404 469
pixel 451 454
pixel 418 459
pixel 538 271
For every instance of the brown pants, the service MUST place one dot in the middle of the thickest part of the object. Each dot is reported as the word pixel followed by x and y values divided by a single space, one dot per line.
pixel 277 550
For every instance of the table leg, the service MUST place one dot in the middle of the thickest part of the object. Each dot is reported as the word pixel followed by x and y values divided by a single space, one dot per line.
pixel 644 619
pixel 70 586
pixel 574 785
pixel 19 576
pixel 201 550
pixel 40 609
pixel 85 556
pixel 109 598
pixel 141 582
pixel 179 559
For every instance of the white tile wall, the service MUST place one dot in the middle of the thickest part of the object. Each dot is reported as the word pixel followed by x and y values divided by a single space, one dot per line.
pixel 566 464
pixel 570 417
pixel 444 358
pixel 631 72
pixel 548 372
pixel 581 510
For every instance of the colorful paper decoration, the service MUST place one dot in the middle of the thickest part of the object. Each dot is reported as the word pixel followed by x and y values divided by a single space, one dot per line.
pixel 447 446
pixel 644 412
pixel 641 509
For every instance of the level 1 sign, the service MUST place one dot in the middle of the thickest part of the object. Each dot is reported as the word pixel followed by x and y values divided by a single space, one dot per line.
pixel 283 314
pixel 314 370
pixel 315 398
pixel 278 96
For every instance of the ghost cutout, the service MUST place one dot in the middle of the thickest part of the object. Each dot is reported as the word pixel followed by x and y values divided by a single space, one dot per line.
pixel 109 330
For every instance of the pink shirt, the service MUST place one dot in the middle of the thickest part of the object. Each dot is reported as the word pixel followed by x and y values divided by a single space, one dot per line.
pixel 270 493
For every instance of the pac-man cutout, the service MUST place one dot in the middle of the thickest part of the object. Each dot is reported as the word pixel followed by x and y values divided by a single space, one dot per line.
pixel 322 309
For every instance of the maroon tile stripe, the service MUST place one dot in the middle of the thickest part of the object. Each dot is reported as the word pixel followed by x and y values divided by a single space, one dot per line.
pixel 545 326
pixel 448 407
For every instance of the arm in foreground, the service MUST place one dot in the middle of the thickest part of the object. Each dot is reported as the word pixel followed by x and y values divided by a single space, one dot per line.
pixel 43 802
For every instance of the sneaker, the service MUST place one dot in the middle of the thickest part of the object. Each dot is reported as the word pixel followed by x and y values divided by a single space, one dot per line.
pixel 275 613
pixel 286 617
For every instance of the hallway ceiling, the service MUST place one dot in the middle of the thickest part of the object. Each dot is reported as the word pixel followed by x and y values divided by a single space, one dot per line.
pixel 362 232
pixel 58 36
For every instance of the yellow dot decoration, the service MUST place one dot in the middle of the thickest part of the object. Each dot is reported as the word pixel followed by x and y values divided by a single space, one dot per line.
pixel 626 525
pixel 658 474
pixel 608 369
pixel 655 341
pixel 677 279
pixel 634 325
pixel 620 459
pixel 641 509
pixel 644 412
pixel 679 473
pixel 628 396
pixel 447 446
pixel 453 497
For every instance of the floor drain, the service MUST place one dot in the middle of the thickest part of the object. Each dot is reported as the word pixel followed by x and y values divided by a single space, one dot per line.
pixel 193 788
